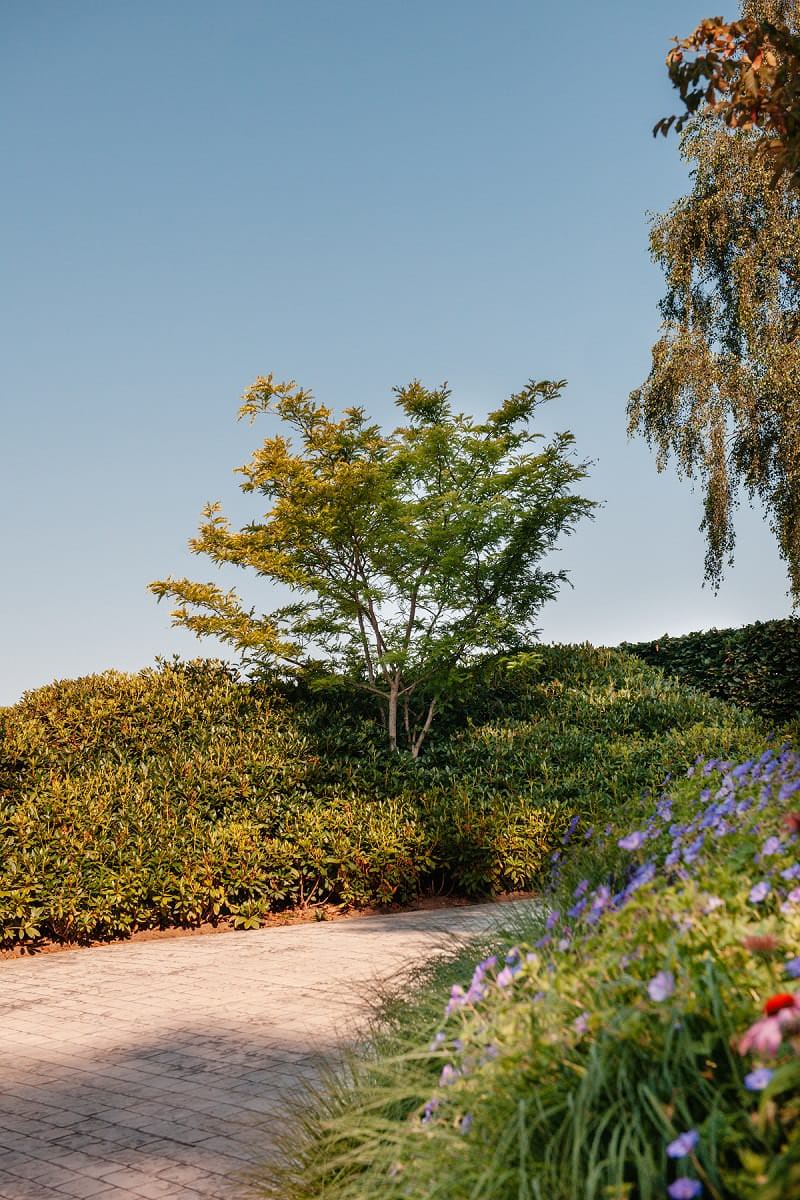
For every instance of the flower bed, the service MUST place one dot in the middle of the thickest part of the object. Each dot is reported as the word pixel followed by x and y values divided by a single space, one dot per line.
pixel 645 1045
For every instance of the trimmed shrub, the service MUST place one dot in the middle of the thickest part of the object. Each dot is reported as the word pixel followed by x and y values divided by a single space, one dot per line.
pixel 185 794
pixel 757 666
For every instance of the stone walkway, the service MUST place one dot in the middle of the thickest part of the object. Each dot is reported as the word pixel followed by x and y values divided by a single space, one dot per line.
pixel 158 1068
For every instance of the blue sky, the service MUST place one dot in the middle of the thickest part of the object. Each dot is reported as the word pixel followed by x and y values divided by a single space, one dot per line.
pixel 349 195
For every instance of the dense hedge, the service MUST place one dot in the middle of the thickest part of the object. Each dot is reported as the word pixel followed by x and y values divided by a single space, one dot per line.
pixel 184 794
pixel 640 1041
pixel 758 665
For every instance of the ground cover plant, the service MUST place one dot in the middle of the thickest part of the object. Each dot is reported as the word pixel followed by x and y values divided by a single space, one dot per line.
pixel 643 1043
pixel 185 793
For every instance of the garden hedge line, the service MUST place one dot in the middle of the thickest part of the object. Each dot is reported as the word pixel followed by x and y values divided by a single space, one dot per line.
pixel 185 794
pixel 757 665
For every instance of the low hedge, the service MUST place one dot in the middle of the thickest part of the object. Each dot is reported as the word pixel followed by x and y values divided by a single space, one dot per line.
pixel 757 666
pixel 185 794
pixel 643 1044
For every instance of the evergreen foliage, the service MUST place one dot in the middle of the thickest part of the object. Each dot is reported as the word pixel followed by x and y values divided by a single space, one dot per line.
pixel 186 794
pixel 757 666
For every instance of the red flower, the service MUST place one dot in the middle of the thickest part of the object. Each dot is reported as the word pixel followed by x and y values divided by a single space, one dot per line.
pixel 792 822
pixel 760 943
pixel 776 1003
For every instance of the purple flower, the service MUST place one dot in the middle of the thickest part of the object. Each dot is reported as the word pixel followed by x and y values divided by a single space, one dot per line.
pixel 465 1124
pixel 759 892
pixel 475 992
pixel 641 876
pixel 457 998
pixel 794 896
pixel 661 986
pixel 684 1144
pixel 428 1111
pixel 712 903
pixel 581 888
pixel 757 1080
pixel 581 1023
pixel 684 1188
pixel 771 846
pixel 600 900
pixel 553 919
pixel 632 842
pixel 449 1075
pixel 793 968
pixel 693 850
pixel 573 825
pixel 504 977
pixel 576 909
pixel 791 872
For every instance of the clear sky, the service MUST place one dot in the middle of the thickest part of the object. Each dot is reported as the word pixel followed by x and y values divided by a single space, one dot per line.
pixel 350 195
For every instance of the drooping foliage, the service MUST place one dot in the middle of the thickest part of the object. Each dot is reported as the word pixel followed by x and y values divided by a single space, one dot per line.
pixel 721 396
pixel 408 554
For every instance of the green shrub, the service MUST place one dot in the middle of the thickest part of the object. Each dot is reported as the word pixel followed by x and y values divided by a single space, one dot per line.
pixel 186 794
pixel 566 1070
pixel 758 665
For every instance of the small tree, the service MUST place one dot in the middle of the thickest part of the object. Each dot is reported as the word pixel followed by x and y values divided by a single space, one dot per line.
pixel 409 553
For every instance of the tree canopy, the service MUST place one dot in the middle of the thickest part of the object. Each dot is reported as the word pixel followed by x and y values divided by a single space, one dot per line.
pixel 407 553
pixel 747 73
pixel 721 395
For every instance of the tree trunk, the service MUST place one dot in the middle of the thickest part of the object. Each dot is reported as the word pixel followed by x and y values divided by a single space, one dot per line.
pixel 394 688
pixel 417 743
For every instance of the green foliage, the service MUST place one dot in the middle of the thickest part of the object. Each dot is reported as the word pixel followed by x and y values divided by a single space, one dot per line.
pixel 757 666
pixel 407 554
pixel 186 794
pixel 565 1071
pixel 720 398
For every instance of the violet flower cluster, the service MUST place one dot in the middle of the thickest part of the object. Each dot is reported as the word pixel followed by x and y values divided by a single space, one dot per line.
pixel 670 851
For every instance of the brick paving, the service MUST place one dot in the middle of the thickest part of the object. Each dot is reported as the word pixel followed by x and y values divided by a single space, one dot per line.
pixel 155 1069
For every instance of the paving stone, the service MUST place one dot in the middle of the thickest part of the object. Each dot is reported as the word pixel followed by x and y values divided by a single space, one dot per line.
pixel 160 1068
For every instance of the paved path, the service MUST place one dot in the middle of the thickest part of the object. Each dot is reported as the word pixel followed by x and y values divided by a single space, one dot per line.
pixel 157 1069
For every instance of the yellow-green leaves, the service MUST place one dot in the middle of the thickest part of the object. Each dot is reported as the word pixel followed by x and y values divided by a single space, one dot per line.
pixel 721 396
pixel 407 553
